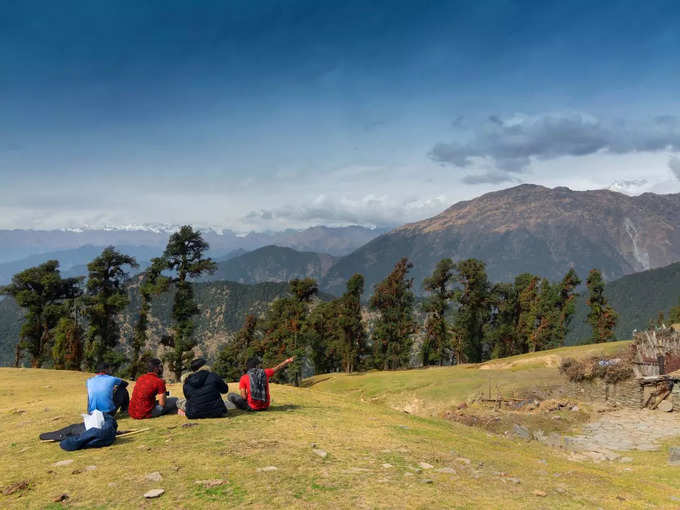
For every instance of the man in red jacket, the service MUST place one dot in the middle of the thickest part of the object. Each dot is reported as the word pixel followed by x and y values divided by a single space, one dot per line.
pixel 254 386
pixel 144 402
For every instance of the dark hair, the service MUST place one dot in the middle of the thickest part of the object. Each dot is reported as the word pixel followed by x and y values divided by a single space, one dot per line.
pixel 103 368
pixel 252 363
pixel 196 364
pixel 153 364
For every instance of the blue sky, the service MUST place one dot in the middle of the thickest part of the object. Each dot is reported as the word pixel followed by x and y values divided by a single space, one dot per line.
pixel 267 115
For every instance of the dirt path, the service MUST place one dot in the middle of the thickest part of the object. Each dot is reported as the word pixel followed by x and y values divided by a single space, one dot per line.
pixel 625 430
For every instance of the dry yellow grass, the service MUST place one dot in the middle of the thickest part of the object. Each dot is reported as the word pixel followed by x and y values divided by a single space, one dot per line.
pixel 361 438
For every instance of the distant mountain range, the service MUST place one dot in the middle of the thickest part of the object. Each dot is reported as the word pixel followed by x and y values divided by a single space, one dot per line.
pixel 273 264
pixel 529 229
pixel 338 241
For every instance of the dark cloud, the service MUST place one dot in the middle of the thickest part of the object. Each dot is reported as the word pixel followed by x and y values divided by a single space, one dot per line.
pixel 511 143
pixel 674 165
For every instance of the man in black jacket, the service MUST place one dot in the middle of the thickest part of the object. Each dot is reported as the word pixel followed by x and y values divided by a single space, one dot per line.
pixel 202 391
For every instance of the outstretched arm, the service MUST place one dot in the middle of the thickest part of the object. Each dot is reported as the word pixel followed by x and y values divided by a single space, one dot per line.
pixel 283 364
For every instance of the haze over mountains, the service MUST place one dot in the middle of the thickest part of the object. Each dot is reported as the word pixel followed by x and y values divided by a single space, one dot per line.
pixel 522 229
pixel 21 249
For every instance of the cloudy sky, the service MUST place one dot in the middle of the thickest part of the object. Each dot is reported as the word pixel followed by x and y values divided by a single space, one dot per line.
pixel 266 115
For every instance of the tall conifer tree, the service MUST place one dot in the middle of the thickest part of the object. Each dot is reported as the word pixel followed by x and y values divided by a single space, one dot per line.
pixel 106 297
pixel 184 255
pixel 602 317
pixel 436 347
pixel 393 330
pixel 42 292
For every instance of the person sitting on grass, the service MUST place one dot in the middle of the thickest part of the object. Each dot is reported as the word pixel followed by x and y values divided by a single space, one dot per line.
pixel 106 393
pixel 143 403
pixel 202 390
pixel 254 386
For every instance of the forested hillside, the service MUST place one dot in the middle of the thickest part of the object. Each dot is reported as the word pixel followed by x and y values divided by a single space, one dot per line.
pixel 272 264
pixel 223 307
pixel 638 298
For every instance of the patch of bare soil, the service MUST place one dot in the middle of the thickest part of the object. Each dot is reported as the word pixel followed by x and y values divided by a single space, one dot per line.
pixel 627 429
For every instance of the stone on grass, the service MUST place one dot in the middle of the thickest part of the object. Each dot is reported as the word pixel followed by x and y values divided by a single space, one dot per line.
pixel 540 494
pixel 154 477
pixel 61 498
pixel 521 431
pixel 321 453
pixel 154 493
pixel 428 481
pixel 674 455
pixel 425 465
pixel 62 463
pixel 387 466
pixel 267 469
pixel 210 483
pixel 665 406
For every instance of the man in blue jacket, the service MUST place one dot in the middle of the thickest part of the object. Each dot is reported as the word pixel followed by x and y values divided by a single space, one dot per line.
pixel 106 393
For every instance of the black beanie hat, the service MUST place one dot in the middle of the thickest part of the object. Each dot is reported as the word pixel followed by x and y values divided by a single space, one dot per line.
pixel 197 363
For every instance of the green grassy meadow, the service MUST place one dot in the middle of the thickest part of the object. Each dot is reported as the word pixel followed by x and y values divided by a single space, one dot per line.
pixel 374 452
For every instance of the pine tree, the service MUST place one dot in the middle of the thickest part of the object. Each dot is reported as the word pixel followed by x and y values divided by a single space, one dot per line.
pixel 232 358
pixel 42 292
pixel 184 255
pixel 474 308
pixel 602 317
pixel 325 337
pixel 436 347
pixel 352 334
pixel 674 314
pixel 106 297
pixel 501 332
pixel 152 283
pixel 392 331
pixel 287 330
pixel 67 352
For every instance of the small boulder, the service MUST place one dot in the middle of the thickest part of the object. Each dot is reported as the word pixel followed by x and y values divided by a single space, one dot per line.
pixel 210 483
pixel 321 453
pixel 674 455
pixel 267 469
pixel 665 406
pixel 63 463
pixel 154 493
pixel 425 465
pixel 154 477
pixel 521 431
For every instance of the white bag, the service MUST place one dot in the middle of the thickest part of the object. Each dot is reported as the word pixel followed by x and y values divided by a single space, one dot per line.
pixel 94 420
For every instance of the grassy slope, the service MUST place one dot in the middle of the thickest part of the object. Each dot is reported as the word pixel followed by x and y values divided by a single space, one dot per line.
pixel 439 388
pixel 359 437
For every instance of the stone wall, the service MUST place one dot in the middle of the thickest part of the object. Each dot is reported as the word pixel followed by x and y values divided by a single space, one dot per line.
pixel 623 394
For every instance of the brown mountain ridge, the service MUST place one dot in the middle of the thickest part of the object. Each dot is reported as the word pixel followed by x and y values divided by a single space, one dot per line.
pixel 534 229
